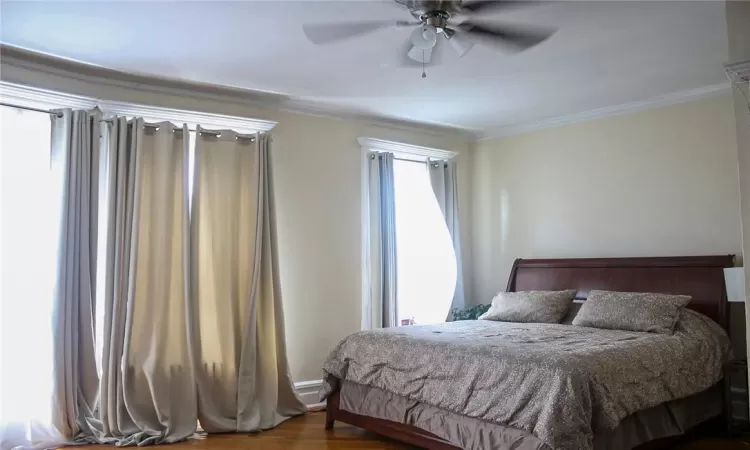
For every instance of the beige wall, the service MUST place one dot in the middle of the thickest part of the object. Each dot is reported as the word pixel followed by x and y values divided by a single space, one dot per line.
pixel 317 178
pixel 654 183
pixel 317 169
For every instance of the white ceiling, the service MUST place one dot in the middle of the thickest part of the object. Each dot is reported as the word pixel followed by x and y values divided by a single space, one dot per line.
pixel 605 53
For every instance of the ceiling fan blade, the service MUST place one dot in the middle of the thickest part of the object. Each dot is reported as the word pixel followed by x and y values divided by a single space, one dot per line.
pixel 409 4
pixel 513 36
pixel 478 6
pixel 332 32
pixel 460 42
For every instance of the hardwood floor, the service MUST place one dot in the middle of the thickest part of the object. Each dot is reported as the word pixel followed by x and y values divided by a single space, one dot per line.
pixel 300 433
pixel 307 433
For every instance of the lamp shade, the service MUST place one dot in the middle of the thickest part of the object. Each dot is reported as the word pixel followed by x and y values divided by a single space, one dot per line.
pixel 734 278
pixel 420 56
pixel 424 37
pixel 461 44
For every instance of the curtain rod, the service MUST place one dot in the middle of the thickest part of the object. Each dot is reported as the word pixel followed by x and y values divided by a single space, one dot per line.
pixel 29 108
pixel 217 134
pixel 374 155
pixel 110 121
pixel 410 160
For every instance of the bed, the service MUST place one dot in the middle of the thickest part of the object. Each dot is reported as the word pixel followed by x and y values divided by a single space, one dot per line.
pixel 434 417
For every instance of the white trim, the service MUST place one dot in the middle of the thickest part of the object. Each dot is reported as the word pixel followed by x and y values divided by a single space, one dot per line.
pixel 41 98
pixel 626 108
pixel 309 392
pixel 14 57
pixel 369 144
pixel 192 118
pixel 45 99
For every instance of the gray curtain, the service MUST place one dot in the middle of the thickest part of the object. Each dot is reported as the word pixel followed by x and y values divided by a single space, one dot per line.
pixel 243 377
pixel 444 184
pixel 380 309
pixel 147 384
pixel 75 143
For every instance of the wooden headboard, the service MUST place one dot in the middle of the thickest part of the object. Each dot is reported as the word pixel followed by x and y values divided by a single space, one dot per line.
pixel 701 277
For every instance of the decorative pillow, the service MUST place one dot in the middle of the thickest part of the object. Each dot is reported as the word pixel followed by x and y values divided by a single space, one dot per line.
pixel 530 306
pixel 632 311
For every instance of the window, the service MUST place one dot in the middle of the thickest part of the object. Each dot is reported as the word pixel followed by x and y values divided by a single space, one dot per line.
pixel 422 250
pixel 30 188
pixel 30 206
pixel 425 257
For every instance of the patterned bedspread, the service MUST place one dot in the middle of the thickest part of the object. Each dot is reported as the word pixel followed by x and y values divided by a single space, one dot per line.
pixel 560 382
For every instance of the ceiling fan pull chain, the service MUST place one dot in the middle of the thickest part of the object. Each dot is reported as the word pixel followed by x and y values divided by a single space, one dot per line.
pixel 424 75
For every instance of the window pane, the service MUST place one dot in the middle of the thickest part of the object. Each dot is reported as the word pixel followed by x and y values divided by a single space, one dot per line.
pixel 30 193
pixel 424 250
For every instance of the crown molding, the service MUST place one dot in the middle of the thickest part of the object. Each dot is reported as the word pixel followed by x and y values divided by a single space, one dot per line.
pixel 625 108
pixel 191 118
pixel 370 144
pixel 44 99
pixel 71 69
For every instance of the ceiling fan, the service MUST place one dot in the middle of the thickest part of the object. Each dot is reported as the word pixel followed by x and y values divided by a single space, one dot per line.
pixel 436 21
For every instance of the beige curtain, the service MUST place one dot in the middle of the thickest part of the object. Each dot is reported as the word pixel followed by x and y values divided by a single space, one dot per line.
pixel 148 393
pixel 243 376
pixel 75 144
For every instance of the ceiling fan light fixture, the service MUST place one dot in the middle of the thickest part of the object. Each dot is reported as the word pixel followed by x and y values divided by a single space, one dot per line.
pixel 460 44
pixel 424 37
pixel 419 55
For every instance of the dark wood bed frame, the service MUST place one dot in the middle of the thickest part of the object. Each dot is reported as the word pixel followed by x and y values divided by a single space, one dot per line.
pixel 701 277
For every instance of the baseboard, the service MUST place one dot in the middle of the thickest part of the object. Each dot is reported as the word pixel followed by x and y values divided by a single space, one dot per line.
pixel 309 392
pixel 316 407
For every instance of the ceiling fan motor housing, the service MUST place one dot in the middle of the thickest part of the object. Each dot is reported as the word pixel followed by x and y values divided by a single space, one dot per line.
pixel 438 19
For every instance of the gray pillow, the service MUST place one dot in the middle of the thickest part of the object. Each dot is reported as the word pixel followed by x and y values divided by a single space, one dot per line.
pixel 530 306
pixel 632 311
